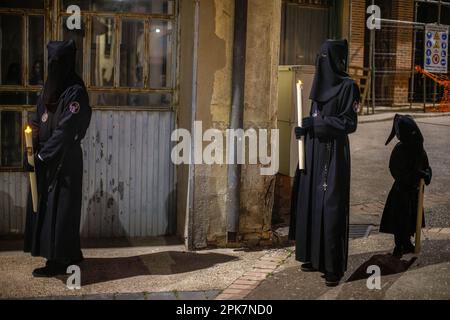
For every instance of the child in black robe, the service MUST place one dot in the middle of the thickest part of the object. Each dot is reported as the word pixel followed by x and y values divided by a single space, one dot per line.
pixel 408 165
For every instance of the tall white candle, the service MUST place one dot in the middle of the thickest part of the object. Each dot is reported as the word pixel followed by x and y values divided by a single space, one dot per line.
pixel 301 142
pixel 30 156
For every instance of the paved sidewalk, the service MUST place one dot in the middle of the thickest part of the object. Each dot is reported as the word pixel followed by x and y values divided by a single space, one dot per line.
pixel 426 276
pixel 155 268
pixel 172 295
pixel 250 280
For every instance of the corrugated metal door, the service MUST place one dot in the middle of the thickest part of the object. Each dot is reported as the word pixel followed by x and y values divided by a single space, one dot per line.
pixel 128 178
pixel 128 181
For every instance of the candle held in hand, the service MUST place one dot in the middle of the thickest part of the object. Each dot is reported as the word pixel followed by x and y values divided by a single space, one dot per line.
pixel 301 142
pixel 30 158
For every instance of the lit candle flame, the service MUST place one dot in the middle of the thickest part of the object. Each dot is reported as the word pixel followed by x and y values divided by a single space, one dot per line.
pixel 28 129
pixel 300 82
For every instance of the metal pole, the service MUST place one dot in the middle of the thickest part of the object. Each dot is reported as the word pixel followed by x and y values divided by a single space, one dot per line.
pixel 434 83
pixel 372 66
pixel 416 7
pixel 236 116
pixel 424 93
pixel 189 242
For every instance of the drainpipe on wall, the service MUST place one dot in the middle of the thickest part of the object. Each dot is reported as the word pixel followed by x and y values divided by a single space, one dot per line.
pixel 236 116
pixel 189 241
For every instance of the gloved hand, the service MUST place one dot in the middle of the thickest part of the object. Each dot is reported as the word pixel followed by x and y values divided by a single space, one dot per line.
pixel 307 123
pixel 26 166
pixel 426 175
pixel 300 132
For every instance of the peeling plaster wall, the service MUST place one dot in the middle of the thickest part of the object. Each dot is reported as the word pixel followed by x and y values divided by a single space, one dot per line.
pixel 214 104
pixel 184 115
pixel 261 99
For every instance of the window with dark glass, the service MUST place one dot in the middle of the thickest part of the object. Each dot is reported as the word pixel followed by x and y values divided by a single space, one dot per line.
pixel 126 51
pixel 125 54
pixel 22 72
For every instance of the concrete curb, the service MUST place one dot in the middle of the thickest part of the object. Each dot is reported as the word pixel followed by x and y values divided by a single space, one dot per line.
pixel 381 117
pixel 250 280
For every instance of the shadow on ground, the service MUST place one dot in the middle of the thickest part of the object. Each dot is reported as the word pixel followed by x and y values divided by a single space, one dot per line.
pixel 289 283
pixel 387 263
pixel 97 270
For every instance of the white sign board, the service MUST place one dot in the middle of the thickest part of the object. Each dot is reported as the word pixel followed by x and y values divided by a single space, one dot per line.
pixel 436 49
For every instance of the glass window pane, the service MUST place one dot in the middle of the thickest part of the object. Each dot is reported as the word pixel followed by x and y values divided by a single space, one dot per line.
pixel 304 31
pixel 18 98
pixel 120 99
pixel 10 139
pixel 32 4
pixel 160 70
pixel 11 34
pixel 132 53
pixel 77 36
pixel 102 52
pixel 36 50
pixel 136 6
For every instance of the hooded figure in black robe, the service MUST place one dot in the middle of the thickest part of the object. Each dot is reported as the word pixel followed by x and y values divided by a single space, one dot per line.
pixel 321 193
pixel 408 164
pixel 60 123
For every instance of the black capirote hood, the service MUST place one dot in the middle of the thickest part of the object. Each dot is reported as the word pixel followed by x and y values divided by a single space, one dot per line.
pixel 61 71
pixel 406 130
pixel 331 66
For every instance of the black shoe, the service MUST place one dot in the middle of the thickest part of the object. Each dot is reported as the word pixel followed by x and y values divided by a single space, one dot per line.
pixel 307 267
pixel 398 252
pixel 332 280
pixel 51 269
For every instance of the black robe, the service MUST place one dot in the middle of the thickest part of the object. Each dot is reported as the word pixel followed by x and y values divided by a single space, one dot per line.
pixel 54 231
pixel 400 212
pixel 321 193
pixel 60 123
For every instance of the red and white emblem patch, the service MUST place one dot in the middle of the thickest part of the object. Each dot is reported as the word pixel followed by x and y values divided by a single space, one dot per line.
pixel 44 117
pixel 74 107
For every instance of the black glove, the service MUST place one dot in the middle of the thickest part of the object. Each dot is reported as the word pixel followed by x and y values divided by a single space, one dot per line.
pixel 308 123
pixel 426 175
pixel 26 166
pixel 300 132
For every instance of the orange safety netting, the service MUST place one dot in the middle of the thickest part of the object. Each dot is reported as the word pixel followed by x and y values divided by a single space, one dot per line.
pixel 444 105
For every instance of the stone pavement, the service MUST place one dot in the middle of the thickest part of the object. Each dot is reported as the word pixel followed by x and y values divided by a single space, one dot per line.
pixel 151 270
pixel 425 276
pixel 172 295
pixel 250 280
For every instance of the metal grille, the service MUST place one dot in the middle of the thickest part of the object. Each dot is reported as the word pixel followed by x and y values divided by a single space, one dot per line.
pixel 360 230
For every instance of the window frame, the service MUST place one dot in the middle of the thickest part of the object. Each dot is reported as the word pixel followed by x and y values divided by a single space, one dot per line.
pixel 25 13
pixel 118 17
pixel 53 14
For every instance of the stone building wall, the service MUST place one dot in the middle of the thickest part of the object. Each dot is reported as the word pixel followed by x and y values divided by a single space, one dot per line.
pixel 213 109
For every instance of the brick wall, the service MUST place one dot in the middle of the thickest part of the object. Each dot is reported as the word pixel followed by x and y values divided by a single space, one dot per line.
pixel 403 10
pixel 399 83
pixel 357 30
